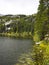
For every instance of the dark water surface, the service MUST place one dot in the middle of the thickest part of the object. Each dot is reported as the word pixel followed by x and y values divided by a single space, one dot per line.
pixel 11 49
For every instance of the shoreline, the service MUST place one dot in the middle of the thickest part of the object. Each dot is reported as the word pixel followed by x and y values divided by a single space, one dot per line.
pixel 17 35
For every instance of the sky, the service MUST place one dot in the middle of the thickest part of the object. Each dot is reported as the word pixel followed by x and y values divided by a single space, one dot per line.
pixel 14 7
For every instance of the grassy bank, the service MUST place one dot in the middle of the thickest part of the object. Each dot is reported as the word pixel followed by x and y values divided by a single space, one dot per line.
pixel 38 56
pixel 23 35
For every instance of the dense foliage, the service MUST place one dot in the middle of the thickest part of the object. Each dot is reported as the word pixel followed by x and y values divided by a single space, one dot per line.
pixel 41 27
pixel 17 24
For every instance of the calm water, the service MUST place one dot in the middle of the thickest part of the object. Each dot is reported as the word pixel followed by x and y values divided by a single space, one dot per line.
pixel 11 49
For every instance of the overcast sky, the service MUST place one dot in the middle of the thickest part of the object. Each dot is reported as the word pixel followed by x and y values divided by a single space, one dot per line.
pixel 27 7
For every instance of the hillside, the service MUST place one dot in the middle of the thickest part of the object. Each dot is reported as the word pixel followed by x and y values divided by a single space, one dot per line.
pixel 17 24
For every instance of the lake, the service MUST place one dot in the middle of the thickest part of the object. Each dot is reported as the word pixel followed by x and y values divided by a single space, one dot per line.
pixel 11 49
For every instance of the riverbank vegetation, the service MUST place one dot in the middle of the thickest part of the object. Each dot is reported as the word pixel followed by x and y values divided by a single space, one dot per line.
pixel 38 56
pixel 22 35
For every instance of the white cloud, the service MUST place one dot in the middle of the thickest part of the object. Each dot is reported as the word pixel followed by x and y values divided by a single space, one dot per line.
pixel 18 6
